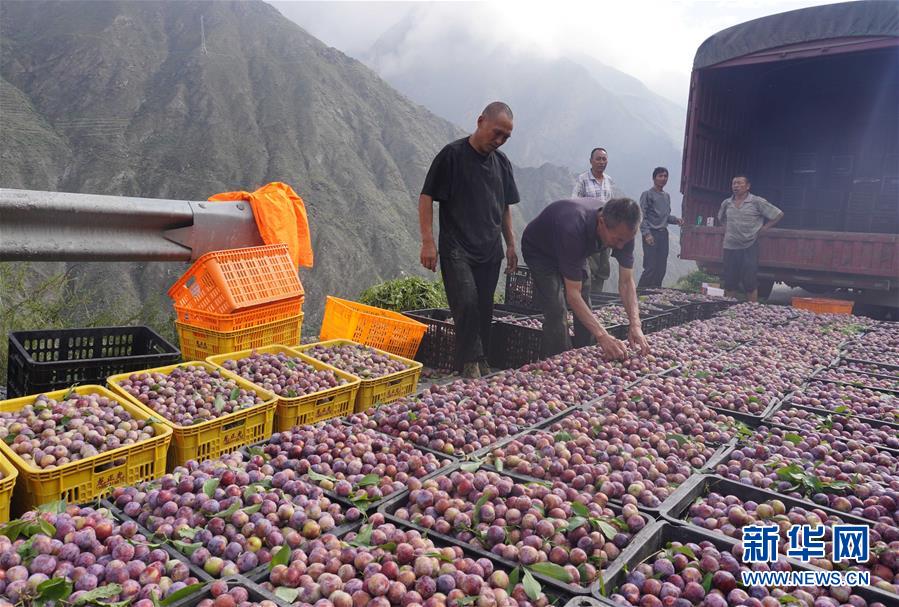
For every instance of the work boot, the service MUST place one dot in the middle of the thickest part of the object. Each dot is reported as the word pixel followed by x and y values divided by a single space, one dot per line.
pixel 471 371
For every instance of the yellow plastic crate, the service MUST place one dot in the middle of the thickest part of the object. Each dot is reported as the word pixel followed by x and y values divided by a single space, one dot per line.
pixel 92 477
pixel 7 483
pixel 381 390
pixel 307 409
pixel 198 343
pixel 210 439
pixel 376 327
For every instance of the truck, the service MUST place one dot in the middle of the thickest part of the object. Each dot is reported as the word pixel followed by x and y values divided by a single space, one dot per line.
pixel 806 104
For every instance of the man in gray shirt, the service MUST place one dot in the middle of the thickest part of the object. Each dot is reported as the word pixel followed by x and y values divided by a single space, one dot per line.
pixel 656 206
pixel 744 217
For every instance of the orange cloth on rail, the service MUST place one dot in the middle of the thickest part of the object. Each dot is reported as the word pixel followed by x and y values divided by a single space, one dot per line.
pixel 280 216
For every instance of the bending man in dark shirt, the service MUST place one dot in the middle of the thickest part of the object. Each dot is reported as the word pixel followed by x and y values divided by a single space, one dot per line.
pixel 556 246
pixel 474 184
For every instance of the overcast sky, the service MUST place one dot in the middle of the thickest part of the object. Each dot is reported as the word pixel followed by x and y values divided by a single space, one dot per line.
pixel 652 40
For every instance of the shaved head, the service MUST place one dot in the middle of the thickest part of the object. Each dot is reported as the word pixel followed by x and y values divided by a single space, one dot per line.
pixel 495 109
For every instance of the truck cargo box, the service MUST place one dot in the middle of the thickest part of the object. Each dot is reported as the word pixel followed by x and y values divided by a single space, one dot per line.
pixel 807 104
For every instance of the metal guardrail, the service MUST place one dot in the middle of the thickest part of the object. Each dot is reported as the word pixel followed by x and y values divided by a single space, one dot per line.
pixel 60 226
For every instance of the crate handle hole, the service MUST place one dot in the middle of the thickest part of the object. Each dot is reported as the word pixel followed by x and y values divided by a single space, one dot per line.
pixel 110 465
pixel 234 424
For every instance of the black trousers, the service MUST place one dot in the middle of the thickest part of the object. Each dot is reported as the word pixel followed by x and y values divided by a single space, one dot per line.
pixel 469 292
pixel 549 290
pixel 655 259
pixel 741 268
pixel 599 269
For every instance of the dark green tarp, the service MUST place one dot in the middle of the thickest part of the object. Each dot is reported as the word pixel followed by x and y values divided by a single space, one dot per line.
pixel 844 20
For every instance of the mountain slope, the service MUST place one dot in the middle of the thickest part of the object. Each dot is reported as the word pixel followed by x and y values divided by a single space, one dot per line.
pixel 186 99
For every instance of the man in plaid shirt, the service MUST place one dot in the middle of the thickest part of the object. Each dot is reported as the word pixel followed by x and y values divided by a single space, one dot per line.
pixel 596 184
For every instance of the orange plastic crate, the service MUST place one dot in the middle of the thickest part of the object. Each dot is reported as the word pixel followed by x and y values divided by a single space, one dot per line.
pixel 235 280
pixel 198 343
pixel 376 327
pixel 820 305
pixel 248 319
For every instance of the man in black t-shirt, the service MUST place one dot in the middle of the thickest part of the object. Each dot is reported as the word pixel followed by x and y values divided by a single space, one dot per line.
pixel 556 246
pixel 473 182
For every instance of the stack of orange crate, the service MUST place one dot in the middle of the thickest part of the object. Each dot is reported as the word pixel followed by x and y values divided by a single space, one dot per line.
pixel 238 299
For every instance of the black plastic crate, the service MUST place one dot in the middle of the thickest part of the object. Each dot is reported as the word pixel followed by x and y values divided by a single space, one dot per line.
pixel 438 345
pixel 41 361
pixel 722 452
pixel 556 598
pixel 673 315
pixel 512 346
pixel 656 322
pixel 256 574
pixel 256 594
pixel 710 308
pixel 365 507
pixel 520 291
pixel 675 508
pixel 786 405
pixel 688 306
pixel 602 299
pixel 788 402
pixel 640 537
pixel 663 533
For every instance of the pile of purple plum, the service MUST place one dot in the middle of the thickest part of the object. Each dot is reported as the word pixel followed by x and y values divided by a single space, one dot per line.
pixel 190 394
pixel 845 399
pixel 352 461
pixel 699 574
pixel 287 376
pixel 227 519
pixel 838 425
pixel 860 380
pixel 524 523
pixel 847 476
pixel 728 514
pixel 238 596
pixel 615 454
pixel 356 359
pixel 83 555
pixel 48 433
pixel 382 566
pixel 461 418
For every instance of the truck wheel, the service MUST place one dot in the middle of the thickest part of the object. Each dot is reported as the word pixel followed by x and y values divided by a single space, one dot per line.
pixel 765 288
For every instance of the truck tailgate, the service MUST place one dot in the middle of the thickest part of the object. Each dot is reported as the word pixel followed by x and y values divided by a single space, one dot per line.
pixel 838 252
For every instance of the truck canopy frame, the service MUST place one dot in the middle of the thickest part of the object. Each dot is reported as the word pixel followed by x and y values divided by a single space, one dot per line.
pixel 847 20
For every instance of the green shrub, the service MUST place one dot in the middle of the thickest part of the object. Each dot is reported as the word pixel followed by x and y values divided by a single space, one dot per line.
pixel 692 282
pixel 407 293
pixel 412 293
